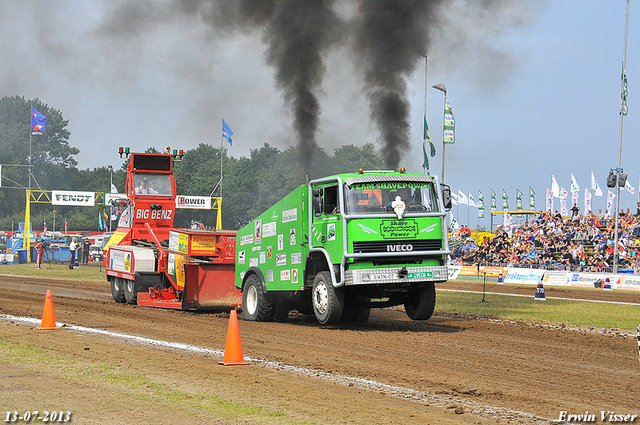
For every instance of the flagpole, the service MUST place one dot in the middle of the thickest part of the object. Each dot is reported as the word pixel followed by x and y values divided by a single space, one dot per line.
pixel 619 170
pixel 27 212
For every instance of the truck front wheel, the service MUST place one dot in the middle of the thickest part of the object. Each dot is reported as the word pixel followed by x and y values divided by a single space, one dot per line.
pixel 255 306
pixel 422 302
pixel 117 289
pixel 327 300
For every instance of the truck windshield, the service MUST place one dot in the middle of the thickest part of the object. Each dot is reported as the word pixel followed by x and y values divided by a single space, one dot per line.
pixel 375 198
pixel 152 184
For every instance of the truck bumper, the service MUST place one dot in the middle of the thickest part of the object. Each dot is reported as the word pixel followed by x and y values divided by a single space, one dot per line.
pixel 396 275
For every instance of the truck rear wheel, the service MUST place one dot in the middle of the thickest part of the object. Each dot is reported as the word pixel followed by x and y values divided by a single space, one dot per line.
pixel 117 289
pixel 422 302
pixel 327 300
pixel 130 294
pixel 255 306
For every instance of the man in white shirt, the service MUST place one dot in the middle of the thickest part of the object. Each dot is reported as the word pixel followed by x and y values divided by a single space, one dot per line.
pixel 144 189
pixel 73 246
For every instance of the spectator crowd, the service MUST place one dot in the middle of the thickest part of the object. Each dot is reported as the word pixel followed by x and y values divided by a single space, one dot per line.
pixel 578 243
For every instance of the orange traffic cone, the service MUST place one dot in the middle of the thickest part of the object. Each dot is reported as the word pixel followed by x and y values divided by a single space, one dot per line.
pixel 233 349
pixel 48 316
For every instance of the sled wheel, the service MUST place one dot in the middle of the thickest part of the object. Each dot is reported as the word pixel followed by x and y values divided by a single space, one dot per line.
pixel 117 290
pixel 130 294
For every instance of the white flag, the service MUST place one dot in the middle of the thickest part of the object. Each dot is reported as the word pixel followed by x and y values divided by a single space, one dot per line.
pixel 454 198
pixel 508 227
pixel 462 198
pixel 610 197
pixel 574 184
pixel 454 223
pixel 595 186
pixel 472 201
pixel 555 189
pixel 587 201
pixel 574 198
pixel 113 188
pixel 549 202
pixel 563 201
pixel 629 188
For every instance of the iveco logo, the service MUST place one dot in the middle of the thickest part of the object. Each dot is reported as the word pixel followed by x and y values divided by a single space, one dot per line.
pixel 399 247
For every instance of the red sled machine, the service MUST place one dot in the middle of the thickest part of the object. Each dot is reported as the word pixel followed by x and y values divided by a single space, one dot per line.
pixel 150 263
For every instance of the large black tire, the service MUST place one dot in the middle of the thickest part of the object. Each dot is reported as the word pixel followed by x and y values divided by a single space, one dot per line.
pixel 117 290
pixel 327 300
pixel 352 313
pixel 130 294
pixel 422 302
pixel 280 311
pixel 255 306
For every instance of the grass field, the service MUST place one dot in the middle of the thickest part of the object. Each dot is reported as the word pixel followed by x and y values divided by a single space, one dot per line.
pixel 570 313
pixel 92 271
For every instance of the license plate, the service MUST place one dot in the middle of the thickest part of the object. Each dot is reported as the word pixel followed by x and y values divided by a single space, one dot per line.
pixel 384 276
pixel 420 275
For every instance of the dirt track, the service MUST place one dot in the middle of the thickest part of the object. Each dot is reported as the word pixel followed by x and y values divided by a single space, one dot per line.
pixel 455 369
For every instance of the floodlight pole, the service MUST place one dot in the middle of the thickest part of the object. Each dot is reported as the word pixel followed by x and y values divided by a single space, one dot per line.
pixel 619 169
pixel 443 89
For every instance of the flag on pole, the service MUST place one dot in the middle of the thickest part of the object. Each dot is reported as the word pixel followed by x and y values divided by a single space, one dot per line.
pixel 454 198
pixel 66 223
pixel 623 106
pixel 45 227
pixel 493 201
pixel 472 201
pixel 563 201
pixel 629 188
pixel 227 132
pixel 480 205
pixel 574 197
pixel 555 189
pixel 449 124
pixel 587 201
pixel 518 200
pixel 610 197
pixel 574 184
pixel 595 186
pixel 105 219
pixel 100 221
pixel 508 224
pixel 549 200
pixel 454 223
pixel 462 198
pixel 532 199
pixel 426 137
pixel 38 122
pixel 505 200
pixel 113 188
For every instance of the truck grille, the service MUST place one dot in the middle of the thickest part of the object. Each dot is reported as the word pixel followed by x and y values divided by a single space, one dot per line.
pixel 397 246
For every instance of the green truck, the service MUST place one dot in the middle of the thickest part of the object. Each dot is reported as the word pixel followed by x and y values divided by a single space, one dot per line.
pixel 341 245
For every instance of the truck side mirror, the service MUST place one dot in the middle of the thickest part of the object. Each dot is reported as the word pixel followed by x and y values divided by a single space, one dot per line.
pixel 446 197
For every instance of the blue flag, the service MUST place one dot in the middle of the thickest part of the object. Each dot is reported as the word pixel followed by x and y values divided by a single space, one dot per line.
pixel 38 122
pixel 227 132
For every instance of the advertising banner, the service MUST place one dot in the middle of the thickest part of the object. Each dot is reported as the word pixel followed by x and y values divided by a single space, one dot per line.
pixel 114 199
pixel 193 202
pixel 78 199
pixel 516 275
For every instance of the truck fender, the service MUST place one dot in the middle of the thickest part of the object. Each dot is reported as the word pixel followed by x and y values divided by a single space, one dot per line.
pixel 319 256
pixel 257 272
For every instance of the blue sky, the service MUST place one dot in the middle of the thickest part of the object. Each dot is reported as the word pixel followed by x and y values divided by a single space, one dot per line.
pixel 534 87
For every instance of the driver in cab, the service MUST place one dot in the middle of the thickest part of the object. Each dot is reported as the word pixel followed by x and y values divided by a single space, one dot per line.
pixel 144 189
